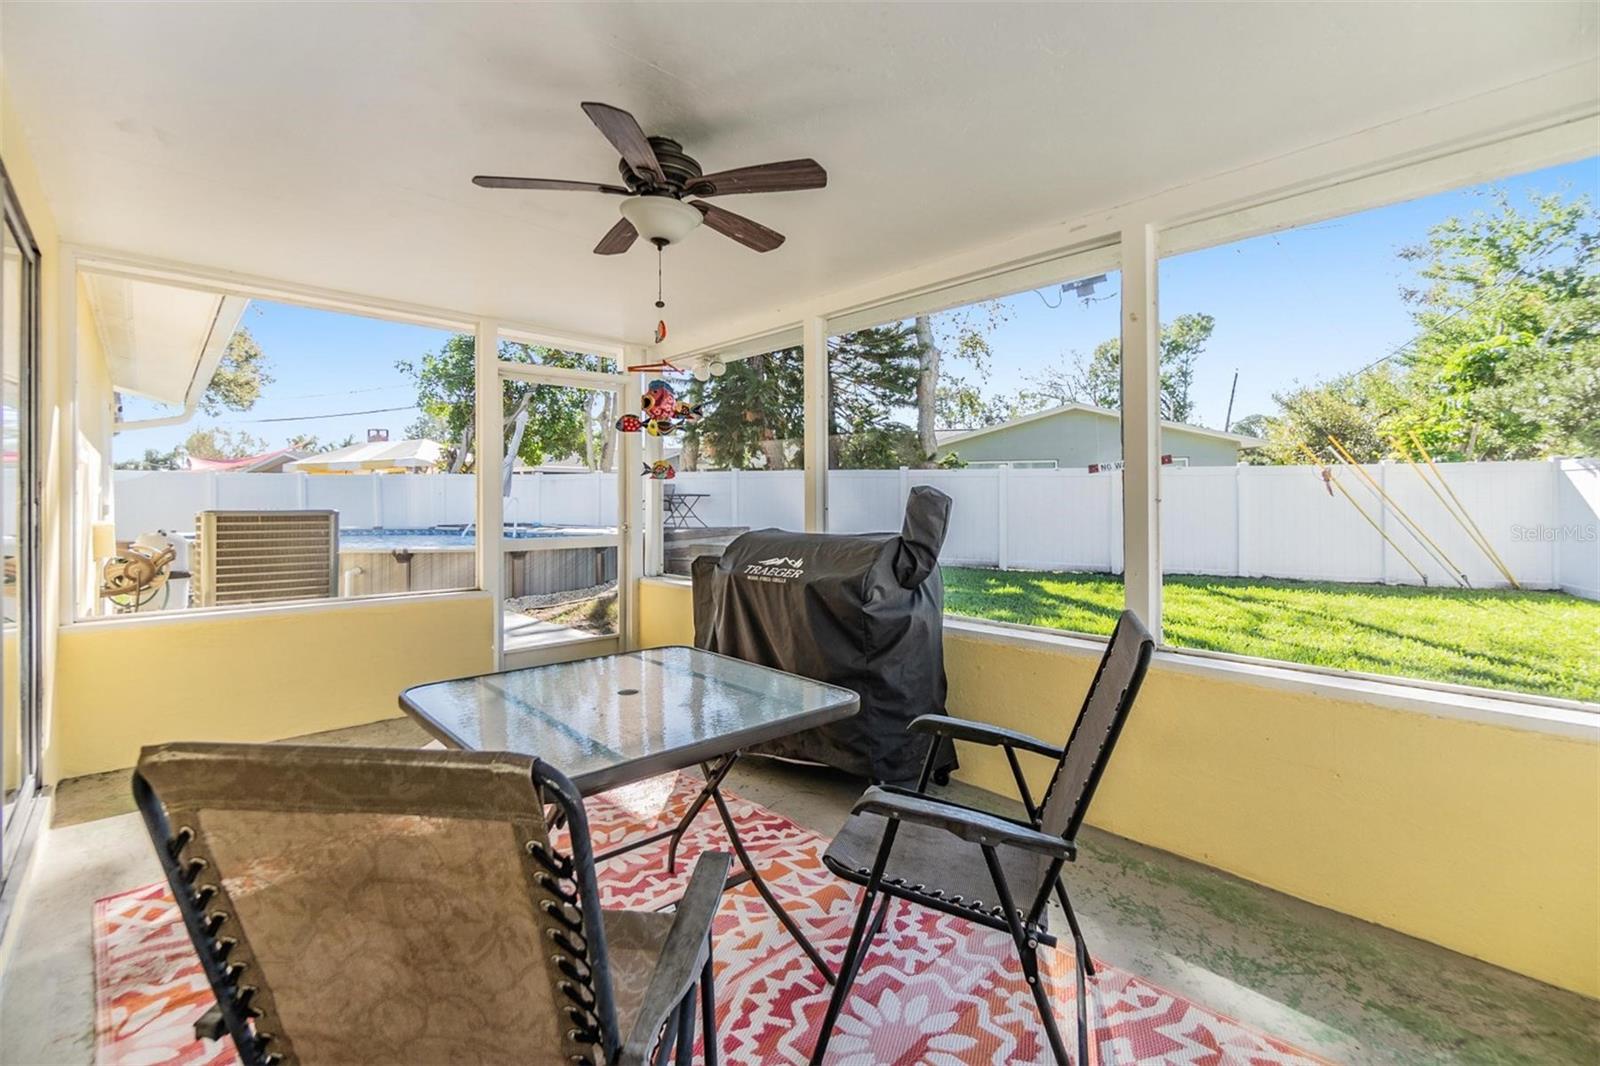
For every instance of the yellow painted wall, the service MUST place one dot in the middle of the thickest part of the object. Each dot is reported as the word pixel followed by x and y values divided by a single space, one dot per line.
pixel 10 716
pixel 666 615
pixel 1480 838
pixel 255 677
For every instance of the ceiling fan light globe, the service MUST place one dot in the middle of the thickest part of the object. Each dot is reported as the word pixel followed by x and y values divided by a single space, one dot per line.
pixel 661 219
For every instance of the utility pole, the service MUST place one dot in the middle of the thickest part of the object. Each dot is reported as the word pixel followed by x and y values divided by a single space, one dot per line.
pixel 1227 421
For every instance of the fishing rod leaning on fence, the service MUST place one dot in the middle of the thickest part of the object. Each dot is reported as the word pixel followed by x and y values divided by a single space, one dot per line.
pixel 1458 510
pixel 1409 524
pixel 1333 482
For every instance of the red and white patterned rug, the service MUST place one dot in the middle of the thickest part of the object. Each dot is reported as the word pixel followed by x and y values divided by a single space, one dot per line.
pixel 934 990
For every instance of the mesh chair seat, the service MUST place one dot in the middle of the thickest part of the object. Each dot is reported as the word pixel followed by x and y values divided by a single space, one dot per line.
pixel 930 864
pixel 370 905
pixel 634 940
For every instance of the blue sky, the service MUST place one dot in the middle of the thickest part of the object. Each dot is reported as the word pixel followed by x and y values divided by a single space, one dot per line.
pixel 1298 306
pixel 321 363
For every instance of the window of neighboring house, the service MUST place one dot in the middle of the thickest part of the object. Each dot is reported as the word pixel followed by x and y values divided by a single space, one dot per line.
pixel 1011 406
pixel 740 464
pixel 317 461
pixel 1414 390
pixel 1015 464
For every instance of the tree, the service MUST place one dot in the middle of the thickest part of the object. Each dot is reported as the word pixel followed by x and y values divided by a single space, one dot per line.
pixel 541 422
pixel 1251 425
pixel 239 378
pixel 155 460
pixel 871 374
pixel 752 414
pixel 218 443
pixel 1352 409
pixel 928 356
pixel 964 334
pixel 1506 360
pixel 962 404
pixel 310 444
pixel 1506 364
pixel 1098 379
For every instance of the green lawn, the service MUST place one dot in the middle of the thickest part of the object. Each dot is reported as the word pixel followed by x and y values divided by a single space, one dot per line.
pixel 1538 642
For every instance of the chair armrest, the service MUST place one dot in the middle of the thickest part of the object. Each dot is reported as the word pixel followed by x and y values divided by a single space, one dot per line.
pixel 977 827
pixel 979 733
pixel 901 790
pixel 682 956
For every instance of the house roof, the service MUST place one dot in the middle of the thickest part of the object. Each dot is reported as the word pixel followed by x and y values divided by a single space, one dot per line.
pixel 951 437
pixel 416 454
pixel 250 464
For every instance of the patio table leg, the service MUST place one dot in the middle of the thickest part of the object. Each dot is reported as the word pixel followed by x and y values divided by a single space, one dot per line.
pixel 766 891
pixel 715 774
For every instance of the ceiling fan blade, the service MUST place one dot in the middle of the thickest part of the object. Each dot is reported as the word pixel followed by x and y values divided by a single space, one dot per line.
pixel 490 181
pixel 787 176
pixel 622 130
pixel 748 233
pixel 618 239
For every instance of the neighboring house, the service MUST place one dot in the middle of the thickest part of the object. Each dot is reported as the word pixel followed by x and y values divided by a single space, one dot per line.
pixel 265 463
pixel 420 456
pixel 1078 435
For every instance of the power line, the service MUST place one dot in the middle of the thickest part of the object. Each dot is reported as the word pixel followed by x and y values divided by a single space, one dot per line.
pixel 336 414
pixel 1487 292
pixel 342 392
pixel 1482 296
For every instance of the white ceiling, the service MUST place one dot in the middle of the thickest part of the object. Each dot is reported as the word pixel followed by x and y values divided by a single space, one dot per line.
pixel 331 144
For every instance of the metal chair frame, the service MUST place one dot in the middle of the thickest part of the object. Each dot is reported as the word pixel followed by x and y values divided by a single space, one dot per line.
pixel 664 1028
pixel 991 832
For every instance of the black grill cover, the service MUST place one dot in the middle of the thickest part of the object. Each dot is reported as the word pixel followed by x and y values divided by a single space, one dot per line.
pixel 865 612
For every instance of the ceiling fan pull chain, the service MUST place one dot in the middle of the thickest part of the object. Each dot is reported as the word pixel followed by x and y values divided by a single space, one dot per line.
pixel 659 302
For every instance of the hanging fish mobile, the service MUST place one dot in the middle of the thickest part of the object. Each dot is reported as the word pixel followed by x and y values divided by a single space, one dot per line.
pixel 662 412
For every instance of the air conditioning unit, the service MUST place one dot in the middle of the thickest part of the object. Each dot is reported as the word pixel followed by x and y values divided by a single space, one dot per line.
pixel 264 556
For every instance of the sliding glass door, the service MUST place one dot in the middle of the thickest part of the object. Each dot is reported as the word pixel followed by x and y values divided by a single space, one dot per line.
pixel 19 534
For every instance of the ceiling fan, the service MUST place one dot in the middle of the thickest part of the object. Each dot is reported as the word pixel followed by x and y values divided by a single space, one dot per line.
pixel 657 177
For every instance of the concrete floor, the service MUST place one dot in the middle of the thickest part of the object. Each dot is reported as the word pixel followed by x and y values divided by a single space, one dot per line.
pixel 1342 988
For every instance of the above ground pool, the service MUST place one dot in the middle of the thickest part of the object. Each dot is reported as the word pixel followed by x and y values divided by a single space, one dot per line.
pixel 436 538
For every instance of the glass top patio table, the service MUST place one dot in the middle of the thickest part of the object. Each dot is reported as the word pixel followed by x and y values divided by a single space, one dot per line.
pixel 615 719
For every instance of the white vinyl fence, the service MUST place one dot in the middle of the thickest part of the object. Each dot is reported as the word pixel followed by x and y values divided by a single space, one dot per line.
pixel 1543 518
